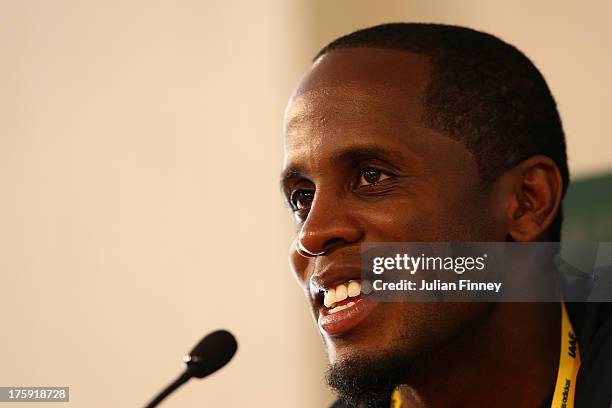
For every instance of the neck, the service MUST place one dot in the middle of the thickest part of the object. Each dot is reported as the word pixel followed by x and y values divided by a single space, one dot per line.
pixel 509 360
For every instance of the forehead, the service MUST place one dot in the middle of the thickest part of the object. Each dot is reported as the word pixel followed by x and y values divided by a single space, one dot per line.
pixel 368 66
pixel 357 95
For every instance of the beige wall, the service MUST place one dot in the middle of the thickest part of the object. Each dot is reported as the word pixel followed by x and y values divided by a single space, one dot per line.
pixel 140 145
pixel 139 153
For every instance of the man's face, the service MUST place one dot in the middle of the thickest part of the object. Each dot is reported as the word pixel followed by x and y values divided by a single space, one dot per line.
pixel 360 167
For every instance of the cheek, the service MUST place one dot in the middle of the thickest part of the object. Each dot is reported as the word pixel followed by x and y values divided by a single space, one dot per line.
pixel 471 219
pixel 444 217
pixel 404 220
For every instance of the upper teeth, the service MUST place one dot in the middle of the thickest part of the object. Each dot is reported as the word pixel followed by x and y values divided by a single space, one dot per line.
pixel 341 292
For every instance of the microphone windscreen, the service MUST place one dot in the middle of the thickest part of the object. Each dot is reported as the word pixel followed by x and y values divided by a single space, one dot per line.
pixel 211 353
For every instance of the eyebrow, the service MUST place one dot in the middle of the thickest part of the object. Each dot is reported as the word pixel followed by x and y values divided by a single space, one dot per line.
pixel 350 154
pixel 360 153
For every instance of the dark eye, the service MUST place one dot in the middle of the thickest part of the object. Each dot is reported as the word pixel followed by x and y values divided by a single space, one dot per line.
pixel 301 199
pixel 370 176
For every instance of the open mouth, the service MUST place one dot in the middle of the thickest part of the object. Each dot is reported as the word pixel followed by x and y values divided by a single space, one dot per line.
pixel 344 306
pixel 345 295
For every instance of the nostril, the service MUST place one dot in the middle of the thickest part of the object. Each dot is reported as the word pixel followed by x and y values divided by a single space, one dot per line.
pixel 322 235
pixel 302 250
pixel 332 243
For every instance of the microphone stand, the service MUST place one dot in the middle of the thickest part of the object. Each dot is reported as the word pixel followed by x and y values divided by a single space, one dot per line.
pixel 182 379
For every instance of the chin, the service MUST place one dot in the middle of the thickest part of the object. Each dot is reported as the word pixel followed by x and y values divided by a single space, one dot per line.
pixel 351 346
pixel 375 336
pixel 367 376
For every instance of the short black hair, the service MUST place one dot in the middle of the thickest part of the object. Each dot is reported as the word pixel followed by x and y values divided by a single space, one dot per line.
pixel 483 92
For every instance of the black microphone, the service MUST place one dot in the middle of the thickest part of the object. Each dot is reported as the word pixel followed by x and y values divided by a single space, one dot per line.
pixel 210 354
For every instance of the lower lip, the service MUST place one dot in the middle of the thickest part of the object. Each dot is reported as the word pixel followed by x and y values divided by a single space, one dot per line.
pixel 347 319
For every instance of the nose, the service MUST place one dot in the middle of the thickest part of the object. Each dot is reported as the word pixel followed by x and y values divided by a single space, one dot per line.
pixel 329 225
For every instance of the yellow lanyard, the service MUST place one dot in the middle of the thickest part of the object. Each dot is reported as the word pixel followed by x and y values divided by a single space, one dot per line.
pixel 396 400
pixel 569 363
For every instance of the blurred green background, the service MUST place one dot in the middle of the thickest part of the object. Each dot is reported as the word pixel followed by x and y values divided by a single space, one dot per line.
pixel 588 209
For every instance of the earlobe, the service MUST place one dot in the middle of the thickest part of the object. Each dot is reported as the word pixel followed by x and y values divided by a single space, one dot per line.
pixel 536 196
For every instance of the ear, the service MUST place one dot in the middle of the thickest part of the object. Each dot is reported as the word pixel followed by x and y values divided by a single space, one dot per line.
pixel 536 190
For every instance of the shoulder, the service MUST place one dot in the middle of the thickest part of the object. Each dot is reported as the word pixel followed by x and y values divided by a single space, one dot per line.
pixel 593 325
